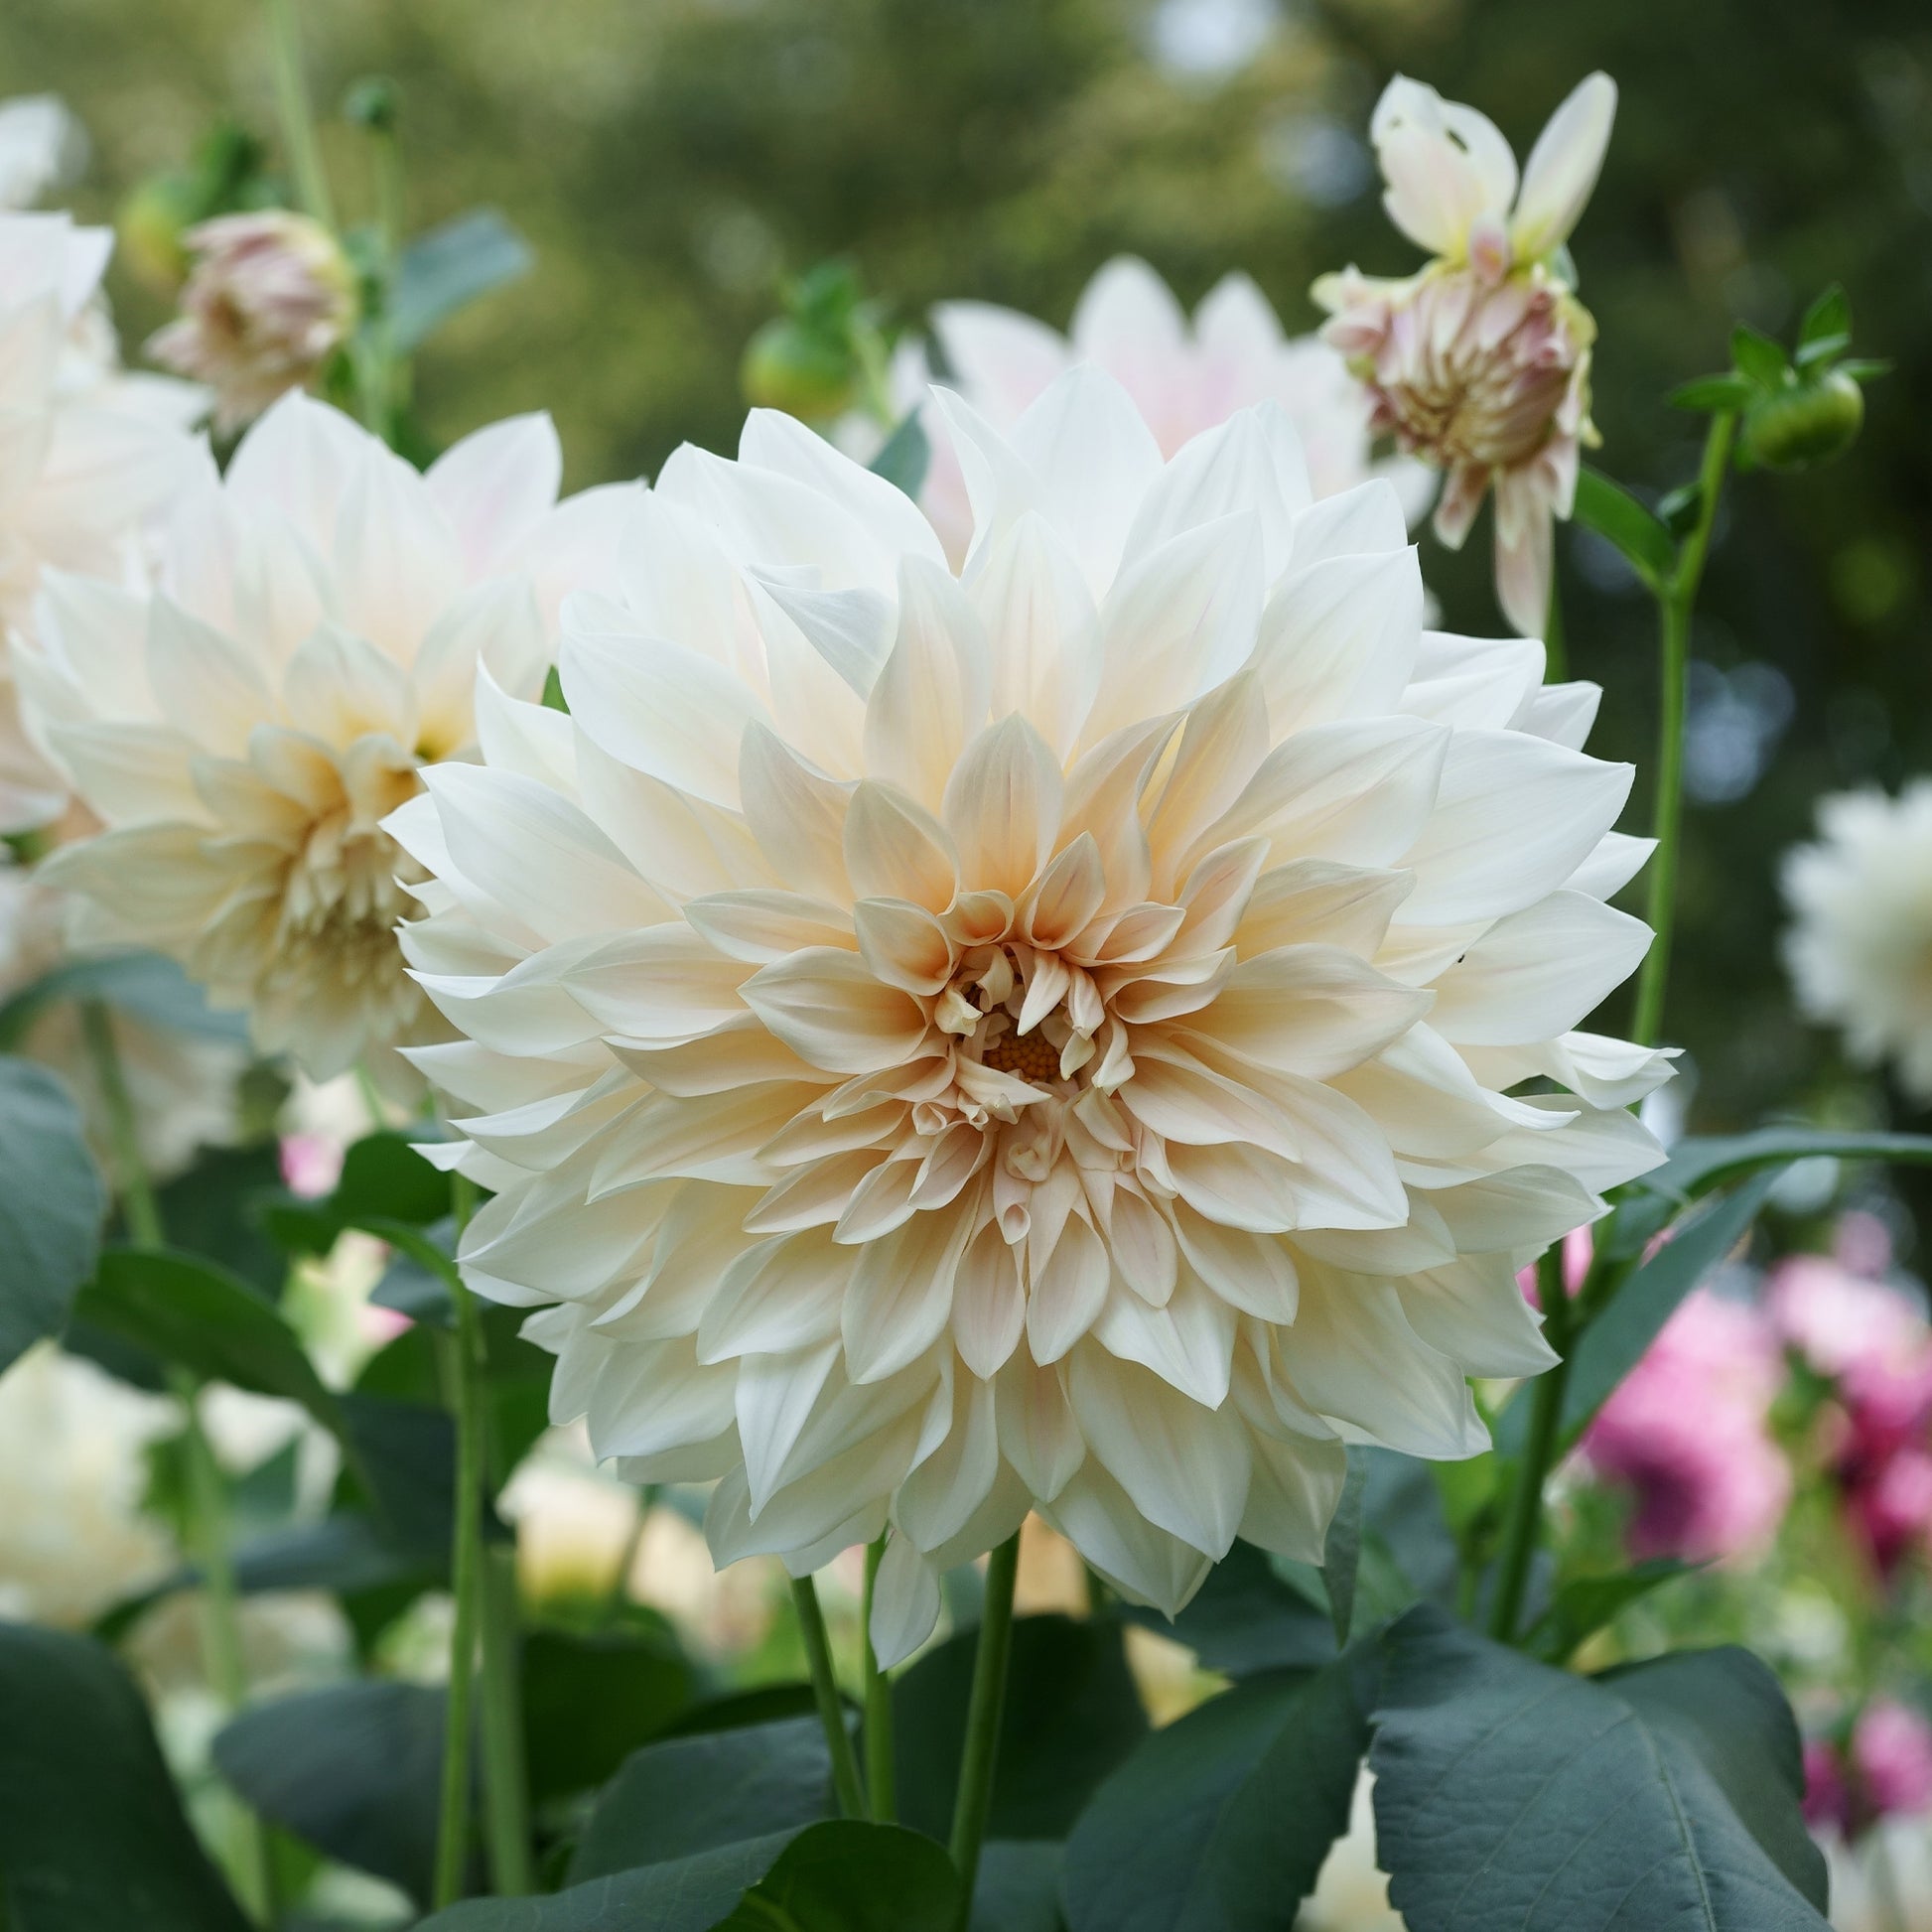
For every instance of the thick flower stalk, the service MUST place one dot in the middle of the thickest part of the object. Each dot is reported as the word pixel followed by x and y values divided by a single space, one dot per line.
pixel 1184 374
pixel 1480 362
pixel 319 622
pixel 1860 947
pixel 91 456
pixel 270 298
pixel 1035 1038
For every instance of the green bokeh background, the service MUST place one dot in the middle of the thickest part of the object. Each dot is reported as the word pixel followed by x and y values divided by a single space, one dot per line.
pixel 670 161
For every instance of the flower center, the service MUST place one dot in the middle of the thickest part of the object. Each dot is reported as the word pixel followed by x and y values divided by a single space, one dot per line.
pixel 1028 1057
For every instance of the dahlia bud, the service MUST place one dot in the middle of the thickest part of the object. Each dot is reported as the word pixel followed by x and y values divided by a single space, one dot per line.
pixel 1809 420
pixel 1480 363
pixel 270 298
pixel 787 366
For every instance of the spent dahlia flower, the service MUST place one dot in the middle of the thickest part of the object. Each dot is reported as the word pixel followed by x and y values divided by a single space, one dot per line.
pixel 1859 951
pixel 91 456
pixel 314 641
pixel 944 1046
pixel 269 299
pixel 1480 362
pixel 1183 376
pixel 1687 1432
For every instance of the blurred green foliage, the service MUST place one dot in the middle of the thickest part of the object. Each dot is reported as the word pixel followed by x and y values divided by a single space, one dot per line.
pixel 673 163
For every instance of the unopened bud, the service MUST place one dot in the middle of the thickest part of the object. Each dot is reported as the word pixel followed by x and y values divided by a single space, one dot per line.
pixel 1811 418
pixel 806 374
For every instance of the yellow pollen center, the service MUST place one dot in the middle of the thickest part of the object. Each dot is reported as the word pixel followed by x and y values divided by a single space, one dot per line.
pixel 1029 1056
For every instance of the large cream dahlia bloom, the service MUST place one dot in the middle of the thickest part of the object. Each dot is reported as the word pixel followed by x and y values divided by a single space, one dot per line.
pixel 314 642
pixel 945 1045
pixel 1184 374
pixel 1859 949
pixel 89 456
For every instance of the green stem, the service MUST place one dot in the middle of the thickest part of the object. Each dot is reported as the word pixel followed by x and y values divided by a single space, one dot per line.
pixel 1556 654
pixel 1525 1520
pixel 207 1521
pixel 375 360
pixel 880 1768
pixel 1674 603
pixel 507 1798
pixel 825 1693
pixel 297 115
pixel 984 1707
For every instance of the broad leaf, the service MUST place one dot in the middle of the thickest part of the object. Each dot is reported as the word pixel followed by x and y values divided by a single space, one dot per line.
pixel 1613 514
pixel 92 1838
pixel 1711 395
pixel 196 1317
pixel 846 1876
pixel 1341 1553
pixel 214 1209
pixel 1220 1822
pixel 691 1894
pixel 353 1770
pixel 1018 1887
pixel 51 1206
pixel 690 1794
pixel 1071 1715
pixel 1509 1794
pixel 589 1702
pixel 451 267
pixel 1614 1342
pixel 1700 1163
pixel 146 986
pixel 1757 356
pixel 1247 1618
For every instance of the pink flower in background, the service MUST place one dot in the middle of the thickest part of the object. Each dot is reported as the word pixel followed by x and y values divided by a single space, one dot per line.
pixel 312 1164
pixel 1687 1432
pixel 1480 363
pixel 1883 1770
pixel 1874 1342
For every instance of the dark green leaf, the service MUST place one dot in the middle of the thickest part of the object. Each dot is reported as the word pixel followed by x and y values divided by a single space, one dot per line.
pixel 1512 1794
pixel 765 1705
pixel 353 1770
pixel 51 1206
pixel 1246 1617
pixel 1758 358
pixel 905 456
pixel 384 1178
pixel 689 1794
pixel 1828 316
pixel 1710 394
pixel 1699 1163
pixel 1615 1340
pixel 1824 349
pixel 589 1702
pixel 213 1211
pixel 1865 369
pixel 685 1896
pixel 845 1877
pixel 144 985
pixel 201 1318
pixel 1018 1887
pixel 1342 1554
pixel 403 1464
pixel 1220 1822
pixel 411 1288
pixel 91 1834
pixel 451 267
pixel 1613 514
pixel 1585 1604
pixel 1071 1715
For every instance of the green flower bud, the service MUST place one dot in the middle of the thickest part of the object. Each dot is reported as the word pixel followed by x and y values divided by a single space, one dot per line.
pixel 150 224
pixel 790 367
pixel 1811 418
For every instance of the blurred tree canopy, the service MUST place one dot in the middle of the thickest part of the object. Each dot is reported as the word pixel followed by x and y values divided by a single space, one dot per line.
pixel 671 162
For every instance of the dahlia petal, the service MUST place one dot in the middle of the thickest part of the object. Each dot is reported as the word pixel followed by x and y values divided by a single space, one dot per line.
pixel 494 629
pixel 1474 1311
pixel 945 1489
pixel 1563 167
pixel 343 688
pixel 828 1009
pixel 1252 464
pixel 1039 1433
pixel 658 1397
pixel 495 484
pixel 900 1294
pixel 773 440
pixel 776 1395
pixel 397 561
pixel 1337 638
pixel 797 814
pixel 1320 901
pixel 895 849
pixel 1292 1493
pixel 989 1303
pixel 1311 1010
pixel 661 984
pixel 130 773
pixel 850 630
pixel 208 687
pixel 532 739
pixel 999 354
pixel 1474 683
pixel 1068 1293
pixel 1562 713
pixel 1142 1561
pixel 1251 1272
pixel 1538 972
pixel 1003 806
pixel 1041 627
pixel 933 692
pixel 1189 1344
pixel 904 1602
pixel 1611 866
pixel 709 1137
pixel 1365 521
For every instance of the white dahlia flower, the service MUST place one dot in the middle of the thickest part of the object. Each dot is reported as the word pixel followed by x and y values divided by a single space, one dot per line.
pixel 951 1045
pixel 1860 948
pixel 42 146
pixel 1183 376
pixel 1480 363
pixel 88 457
pixel 314 641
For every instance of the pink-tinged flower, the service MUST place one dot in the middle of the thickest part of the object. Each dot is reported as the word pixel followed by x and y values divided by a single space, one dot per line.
pixel 1687 1432
pixel 1883 1770
pixel 270 298
pixel 1184 375
pixel 312 1164
pixel 1480 363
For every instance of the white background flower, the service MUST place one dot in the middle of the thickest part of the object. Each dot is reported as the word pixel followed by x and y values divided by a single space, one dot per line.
pixel 947 1045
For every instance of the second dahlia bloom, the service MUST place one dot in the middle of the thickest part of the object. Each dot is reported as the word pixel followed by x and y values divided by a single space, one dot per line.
pixel 1480 363
pixel 945 1045
pixel 312 643
pixel 1184 374
pixel 1859 949
pixel 269 299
